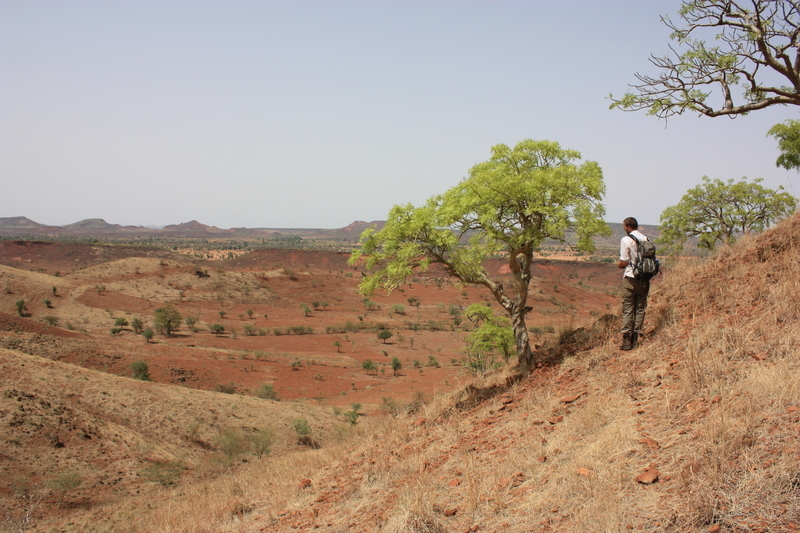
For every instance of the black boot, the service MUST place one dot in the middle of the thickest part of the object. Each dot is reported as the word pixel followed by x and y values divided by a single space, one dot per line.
pixel 626 342
pixel 634 340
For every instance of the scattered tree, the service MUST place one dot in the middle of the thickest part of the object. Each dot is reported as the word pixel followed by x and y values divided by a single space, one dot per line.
pixel 305 308
pixel 266 391
pixel 758 48
pixel 716 211
pixel 400 309
pixel 140 370
pixel 148 335
pixel 217 328
pixel 384 335
pixel 261 441
pixel 369 366
pixel 48 303
pixel 510 204
pixel 137 324
pixel 52 320
pixel 250 314
pixel 121 322
pixel 337 345
pixel 167 319
pixel 21 307
pixel 396 365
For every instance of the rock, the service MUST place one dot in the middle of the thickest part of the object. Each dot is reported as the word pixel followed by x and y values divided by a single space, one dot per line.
pixel 649 476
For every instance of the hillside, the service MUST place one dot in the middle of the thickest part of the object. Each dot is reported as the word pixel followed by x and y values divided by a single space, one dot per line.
pixel 697 430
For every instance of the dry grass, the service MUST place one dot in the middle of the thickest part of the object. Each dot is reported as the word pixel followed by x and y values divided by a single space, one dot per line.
pixel 711 400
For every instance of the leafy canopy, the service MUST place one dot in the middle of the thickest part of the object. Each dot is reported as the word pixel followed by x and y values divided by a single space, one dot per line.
pixel 511 203
pixel 788 135
pixel 756 47
pixel 507 206
pixel 716 211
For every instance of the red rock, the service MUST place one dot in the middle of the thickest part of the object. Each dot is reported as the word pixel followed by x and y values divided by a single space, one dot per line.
pixel 649 476
pixel 585 472
pixel 451 512
pixel 556 419
pixel 650 443
pixel 304 483
pixel 570 399
pixel 716 528
pixel 454 483
pixel 716 399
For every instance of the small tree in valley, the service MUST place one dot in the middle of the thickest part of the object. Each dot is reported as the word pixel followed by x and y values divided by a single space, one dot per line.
pixel 167 319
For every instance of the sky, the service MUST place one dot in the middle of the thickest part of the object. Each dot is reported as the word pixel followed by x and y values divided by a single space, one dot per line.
pixel 315 114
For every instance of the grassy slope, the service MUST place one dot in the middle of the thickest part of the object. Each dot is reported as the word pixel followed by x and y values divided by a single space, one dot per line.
pixel 710 404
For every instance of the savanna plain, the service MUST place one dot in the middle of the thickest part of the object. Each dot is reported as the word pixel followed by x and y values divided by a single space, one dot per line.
pixel 286 401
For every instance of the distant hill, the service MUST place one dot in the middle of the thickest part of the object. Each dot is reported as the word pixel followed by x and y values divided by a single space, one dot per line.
pixel 22 227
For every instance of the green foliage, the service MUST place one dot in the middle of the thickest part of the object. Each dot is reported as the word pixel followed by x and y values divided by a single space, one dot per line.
pixel 369 366
pixel 788 135
pixel 21 307
pixel 191 322
pixel 353 414
pixel 137 324
pixel 216 328
pixel 167 319
pixel 50 319
pixel 396 365
pixel 507 205
pixel 261 441
pixel 266 391
pixel 337 345
pixel 116 331
pixel 48 303
pixel 305 308
pixel 747 68
pixel 716 211
pixel 121 322
pixel 148 334
pixel 301 427
pixel 231 442
pixel 400 309
pixel 165 473
pixel 63 482
pixel 384 335
pixel 140 371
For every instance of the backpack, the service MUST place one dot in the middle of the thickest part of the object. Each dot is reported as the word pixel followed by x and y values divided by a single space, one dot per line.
pixel 646 266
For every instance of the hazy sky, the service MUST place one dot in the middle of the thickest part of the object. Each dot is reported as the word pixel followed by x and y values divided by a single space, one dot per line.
pixel 314 114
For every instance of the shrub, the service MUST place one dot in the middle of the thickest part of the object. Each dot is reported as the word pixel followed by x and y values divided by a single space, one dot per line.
pixel 266 391
pixel 301 427
pixel 64 482
pixel 140 370
pixel 148 334
pixel 21 307
pixel 116 331
pixel 121 322
pixel 231 443
pixel 165 473
pixel 52 320
pixel 224 388
pixel 261 441
pixel 138 325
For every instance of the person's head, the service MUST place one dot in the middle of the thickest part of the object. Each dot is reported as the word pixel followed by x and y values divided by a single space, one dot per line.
pixel 630 224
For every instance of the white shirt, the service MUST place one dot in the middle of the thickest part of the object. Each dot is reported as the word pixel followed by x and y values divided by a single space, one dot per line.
pixel 628 251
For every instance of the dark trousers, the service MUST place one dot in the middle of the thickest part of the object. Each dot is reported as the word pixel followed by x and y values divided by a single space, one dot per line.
pixel 634 304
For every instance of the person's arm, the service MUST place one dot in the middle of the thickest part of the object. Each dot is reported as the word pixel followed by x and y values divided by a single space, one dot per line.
pixel 624 254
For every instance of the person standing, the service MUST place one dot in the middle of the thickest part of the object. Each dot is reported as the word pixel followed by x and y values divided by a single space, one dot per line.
pixel 634 291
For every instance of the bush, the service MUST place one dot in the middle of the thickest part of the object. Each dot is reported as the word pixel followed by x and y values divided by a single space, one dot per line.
pixel 231 443
pixel 224 388
pixel 266 391
pixel 261 441
pixel 165 473
pixel 140 370
pixel 52 320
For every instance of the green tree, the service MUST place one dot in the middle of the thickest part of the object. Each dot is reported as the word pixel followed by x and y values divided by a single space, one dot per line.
pixel 492 334
pixel 216 328
pixel 140 370
pixel 396 365
pixel 50 319
pixel 261 441
pixel 191 323
pixel 148 335
pixel 384 335
pixel 167 319
pixel 21 307
pixel 137 324
pixel 716 211
pixel 507 205
pixel 305 308
pixel 121 322
pixel 266 391
pixel 369 366
pixel 337 345
pixel 754 49
pixel 788 135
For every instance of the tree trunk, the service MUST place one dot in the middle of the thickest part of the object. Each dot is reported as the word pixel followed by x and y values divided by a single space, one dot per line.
pixel 524 354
